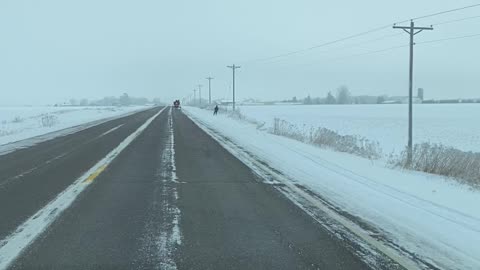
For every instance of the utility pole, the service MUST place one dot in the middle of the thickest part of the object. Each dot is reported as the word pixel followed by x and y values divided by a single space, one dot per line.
pixel 200 93
pixel 412 30
pixel 209 90
pixel 194 96
pixel 190 97
pixel 233 67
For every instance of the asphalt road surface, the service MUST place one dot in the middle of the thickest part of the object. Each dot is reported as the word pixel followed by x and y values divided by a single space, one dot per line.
pixel 173 199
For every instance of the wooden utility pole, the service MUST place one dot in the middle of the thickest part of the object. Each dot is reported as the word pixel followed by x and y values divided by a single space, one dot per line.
pixel 209 89
pixel 412 30
pixel 233 67
pixel 200 93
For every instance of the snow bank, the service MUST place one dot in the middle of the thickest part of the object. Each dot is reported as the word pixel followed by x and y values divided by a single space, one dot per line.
pixel 430 216
pixel 19 123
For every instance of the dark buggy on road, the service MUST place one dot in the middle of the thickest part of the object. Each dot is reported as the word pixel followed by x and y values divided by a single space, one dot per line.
pixel 176 104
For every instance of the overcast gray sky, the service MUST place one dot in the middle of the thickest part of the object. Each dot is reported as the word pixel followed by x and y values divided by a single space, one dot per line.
pixel 52 50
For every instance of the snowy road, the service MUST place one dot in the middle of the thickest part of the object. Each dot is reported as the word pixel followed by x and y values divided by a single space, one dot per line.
pixel 154 191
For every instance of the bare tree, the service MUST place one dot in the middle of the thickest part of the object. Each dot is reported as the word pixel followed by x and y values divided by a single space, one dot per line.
pixel 330 99
pixel 84 102
pixel 343 95
pixel 125 100
pixel 307 100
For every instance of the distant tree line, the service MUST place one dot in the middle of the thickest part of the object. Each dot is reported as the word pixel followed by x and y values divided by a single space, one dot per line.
pixel 123 100
pixel 342 96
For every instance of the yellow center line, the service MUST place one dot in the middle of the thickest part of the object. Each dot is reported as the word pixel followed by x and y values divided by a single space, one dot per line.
pixel 94 175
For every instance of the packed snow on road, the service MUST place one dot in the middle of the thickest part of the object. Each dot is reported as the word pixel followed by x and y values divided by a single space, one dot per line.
pixel 433 218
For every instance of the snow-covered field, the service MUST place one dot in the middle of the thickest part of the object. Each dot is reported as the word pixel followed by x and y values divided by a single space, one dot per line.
pixel 449 124
pixel 19 123
pixel 434 219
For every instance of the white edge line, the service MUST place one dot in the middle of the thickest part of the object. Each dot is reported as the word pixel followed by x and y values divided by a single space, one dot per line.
pixel 25 234
pixel 351 226
pixel 110 130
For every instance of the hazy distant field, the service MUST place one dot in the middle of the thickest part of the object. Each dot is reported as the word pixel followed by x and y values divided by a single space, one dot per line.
pixel 454 125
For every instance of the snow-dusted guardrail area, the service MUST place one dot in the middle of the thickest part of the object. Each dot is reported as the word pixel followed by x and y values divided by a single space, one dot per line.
pixel 432 218
pixel 20 123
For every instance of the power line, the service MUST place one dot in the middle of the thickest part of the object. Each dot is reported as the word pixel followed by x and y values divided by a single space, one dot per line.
pixel 445 12
pixel 372 52
pixel 320 45
pixel 403 46
pixel 369 41
pixel 450 38
pixel 350 45
pixel 395 47
pixel 457 20
pixel 388 49
pixel 355 35
pixel 353 55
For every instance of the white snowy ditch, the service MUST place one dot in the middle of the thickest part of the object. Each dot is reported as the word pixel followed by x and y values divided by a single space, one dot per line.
pixel 13 245
pixel 424 218
pixel 22 127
